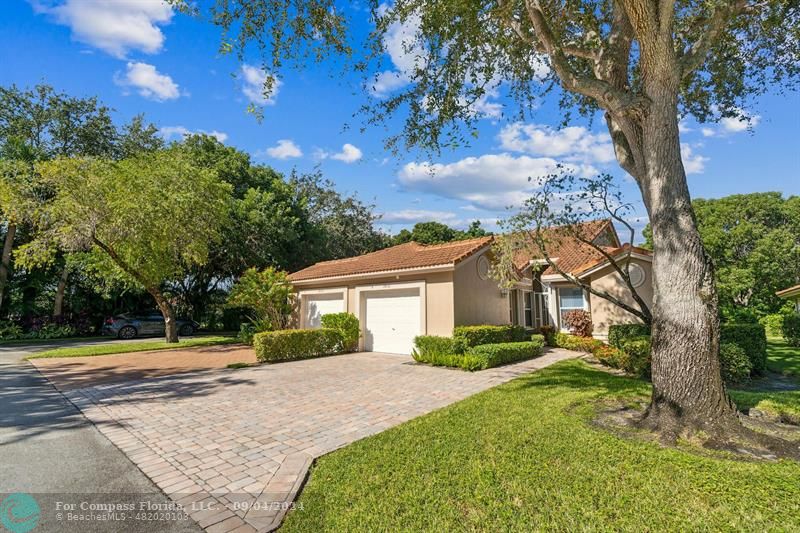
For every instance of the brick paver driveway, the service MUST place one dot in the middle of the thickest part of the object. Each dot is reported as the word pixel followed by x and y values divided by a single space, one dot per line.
pixel 234 446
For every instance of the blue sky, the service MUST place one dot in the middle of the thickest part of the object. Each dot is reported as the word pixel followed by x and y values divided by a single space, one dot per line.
pixel 138 56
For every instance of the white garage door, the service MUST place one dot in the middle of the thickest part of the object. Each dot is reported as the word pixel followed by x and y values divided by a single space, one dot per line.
pixel 392 320
pixel 322 304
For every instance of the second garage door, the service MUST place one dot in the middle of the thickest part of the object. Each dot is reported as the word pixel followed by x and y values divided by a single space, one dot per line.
pixel 317 305
pixel 392 320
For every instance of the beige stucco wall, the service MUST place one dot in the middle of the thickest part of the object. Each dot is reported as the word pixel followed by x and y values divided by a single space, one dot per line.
pixel 438 296
pixel 477 301
pixel 604 313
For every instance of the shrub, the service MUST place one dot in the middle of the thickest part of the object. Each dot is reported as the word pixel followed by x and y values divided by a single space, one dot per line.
pixel 735 364
pixel 440 351
pixel 573 342
pixel 791 329
pixel 293 344
pixel 9 330
pixel 773 324
pixel 468 336
pixel 538 339
pixel 618 333
pixel 491 355
pixel 579 322
pixel 266 293
pixel 549 334
pixel 638 361
pixel 610 356
pixel 246 333
pixel 464 360
pixel 347 325
pixel 750 337
pixel 738 315
pixel 429 345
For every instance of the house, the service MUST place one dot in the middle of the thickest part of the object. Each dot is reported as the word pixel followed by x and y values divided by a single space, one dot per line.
pixel 412 289
pixel 792 293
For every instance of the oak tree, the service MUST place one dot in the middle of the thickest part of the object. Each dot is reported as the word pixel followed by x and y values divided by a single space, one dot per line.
pixel 152 216
pixel 640 64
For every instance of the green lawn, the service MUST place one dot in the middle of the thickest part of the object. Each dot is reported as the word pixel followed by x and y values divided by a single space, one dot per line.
pixel 523 457
pixel 783 358
pixel 127 347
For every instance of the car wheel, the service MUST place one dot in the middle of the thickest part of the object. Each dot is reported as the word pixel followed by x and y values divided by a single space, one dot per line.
pixel 186 330
pixel 127 332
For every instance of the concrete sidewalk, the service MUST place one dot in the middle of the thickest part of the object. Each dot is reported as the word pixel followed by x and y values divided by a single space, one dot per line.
pixel 50 451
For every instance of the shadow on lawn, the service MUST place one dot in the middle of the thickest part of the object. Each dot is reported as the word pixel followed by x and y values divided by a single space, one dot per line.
pixel 579 376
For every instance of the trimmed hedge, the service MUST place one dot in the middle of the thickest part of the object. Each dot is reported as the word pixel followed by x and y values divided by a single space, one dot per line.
pixel 469 336
pixel 467 361
pixel 578 344
pixel 791 329
pixel 347 325
pixel 638 361
pixel 735 365
pixel 442 351
pixel 619 333
pixel 294 344
pixel 428 345
pixel 506 352
pixel 752 338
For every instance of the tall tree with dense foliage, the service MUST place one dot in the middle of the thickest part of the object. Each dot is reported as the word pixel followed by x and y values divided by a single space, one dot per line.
pixel 41 123
pixel 754 242
pixel 341 226
pixel 435 232
pixel 152 216
pixel 641 63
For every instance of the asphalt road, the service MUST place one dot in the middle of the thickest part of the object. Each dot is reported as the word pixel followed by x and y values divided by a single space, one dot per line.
pixel 49 451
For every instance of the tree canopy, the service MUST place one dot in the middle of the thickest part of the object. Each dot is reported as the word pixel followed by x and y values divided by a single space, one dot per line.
pixel 754 241
pixel 435 233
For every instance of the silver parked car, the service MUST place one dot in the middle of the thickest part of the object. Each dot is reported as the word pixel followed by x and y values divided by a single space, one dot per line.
pixel 130 326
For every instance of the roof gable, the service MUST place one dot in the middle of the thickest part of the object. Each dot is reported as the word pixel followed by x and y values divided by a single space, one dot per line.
pixel 571 254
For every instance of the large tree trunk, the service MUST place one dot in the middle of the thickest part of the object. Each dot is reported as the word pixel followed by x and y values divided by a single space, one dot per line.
pixel 170 323
pixel 5 260
pixel 688 392
pixel 58 304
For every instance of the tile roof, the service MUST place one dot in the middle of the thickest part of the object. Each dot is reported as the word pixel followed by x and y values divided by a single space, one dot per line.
pixel 401 257
pixel 570 254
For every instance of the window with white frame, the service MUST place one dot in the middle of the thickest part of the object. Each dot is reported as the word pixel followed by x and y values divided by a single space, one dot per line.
pixel 569 299
pixel 528 302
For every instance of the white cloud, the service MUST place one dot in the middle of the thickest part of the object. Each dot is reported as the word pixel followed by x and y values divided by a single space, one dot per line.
pixel 736 125
pixel 493 181
pixel 253 80
pixel 412 216
pixel 401 43
pixel 285 149
pixel 148 82
pixel 573 143
pixel 730 125
pixel 179 132
pixel 693 163
pixel 114 26
pixel 348 154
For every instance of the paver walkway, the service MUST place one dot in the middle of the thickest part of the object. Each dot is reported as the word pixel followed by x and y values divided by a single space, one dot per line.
pixel 234 446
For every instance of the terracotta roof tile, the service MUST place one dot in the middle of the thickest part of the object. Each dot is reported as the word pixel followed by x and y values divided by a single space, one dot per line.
pixel 573 256
pixel 400 257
